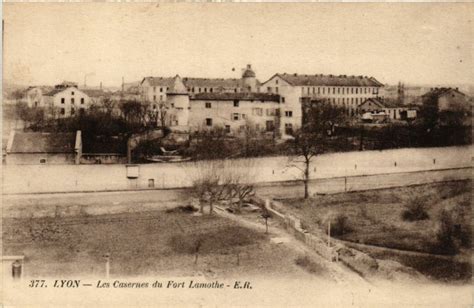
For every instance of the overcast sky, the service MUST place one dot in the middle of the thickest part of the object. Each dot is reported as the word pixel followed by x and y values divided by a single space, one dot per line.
pixel 417 43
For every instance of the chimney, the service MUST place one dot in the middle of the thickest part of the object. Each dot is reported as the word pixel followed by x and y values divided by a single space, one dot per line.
pixel 249 66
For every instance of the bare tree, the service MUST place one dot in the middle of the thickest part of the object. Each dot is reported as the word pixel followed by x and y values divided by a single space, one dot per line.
pixel 239 178
pixel 319 121
pixel 208 184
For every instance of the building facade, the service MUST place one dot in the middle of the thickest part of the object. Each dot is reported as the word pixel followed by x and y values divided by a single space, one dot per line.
pixel 67 100
pixel 345 91
pixel 44 148
pixel 232 111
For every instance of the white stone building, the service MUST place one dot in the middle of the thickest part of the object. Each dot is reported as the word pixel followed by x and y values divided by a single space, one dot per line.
pixel 342 90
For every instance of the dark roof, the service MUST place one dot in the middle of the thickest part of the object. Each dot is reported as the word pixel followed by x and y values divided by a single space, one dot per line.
pixel 437 92
pixel 248 72
pixel 43 143
pixel 53 92
pixel 94 92
pixel 329 80
pixel 248 96
pixel 195 82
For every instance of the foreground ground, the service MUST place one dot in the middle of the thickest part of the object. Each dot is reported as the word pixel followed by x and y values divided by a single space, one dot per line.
pixel 376 218
pixel 154 243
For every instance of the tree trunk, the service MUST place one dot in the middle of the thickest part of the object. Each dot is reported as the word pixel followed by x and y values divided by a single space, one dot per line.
pixel 306 179
pixel 240 205
pixel 201 207
pixel 211 207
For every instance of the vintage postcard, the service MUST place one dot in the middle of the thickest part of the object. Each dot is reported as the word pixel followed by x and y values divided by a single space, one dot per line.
pixel 237 154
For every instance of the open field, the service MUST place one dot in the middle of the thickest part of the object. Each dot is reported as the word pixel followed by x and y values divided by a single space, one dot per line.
pixel 376 218
pixel 154 243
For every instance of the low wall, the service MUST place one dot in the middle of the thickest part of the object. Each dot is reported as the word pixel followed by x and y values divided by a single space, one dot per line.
pixel 327 171
pixel 358 261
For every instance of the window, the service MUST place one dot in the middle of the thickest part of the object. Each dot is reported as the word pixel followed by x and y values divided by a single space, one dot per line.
pixel 199 90
pixel 276 81
pixel 72 100
pixel 154 98
pixel 227 128
pixel 161 89
pixel 42 161
pixel 63 111
pixel 208 105
pixel 319 90
pixel 276 89
pixel 257 111
pixel 72 93
pixel 82 100
pixel 244 116
pixel 236 103
pixel 269 126
pixel 210 90
pixel 323 90
pixel 288 128
pixel 208 122
pixel 36 104
pixel 63 100
pixel 288 113
pixel 338 90
pixel 333 90
pixel 271 112
pixel 235 116
pixel 151 183
pixel 205 90
pixel 73 111
pixel 192 89
pixel 282 99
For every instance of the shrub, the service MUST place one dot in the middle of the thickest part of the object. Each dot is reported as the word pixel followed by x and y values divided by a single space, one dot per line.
pixel 339 225
pixel 446 240
pixel 306 263
pixel 415 209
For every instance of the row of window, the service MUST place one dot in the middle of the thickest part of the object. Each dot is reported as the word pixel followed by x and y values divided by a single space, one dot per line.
pixel 331 90
pixel 196 89
pixel 339 90
pixel 73 111
pixel 63 100
pixel 209 104
pixel 269 125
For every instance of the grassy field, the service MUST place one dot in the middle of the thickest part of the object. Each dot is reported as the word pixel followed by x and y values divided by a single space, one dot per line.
pixel 377 218
pixel 158 243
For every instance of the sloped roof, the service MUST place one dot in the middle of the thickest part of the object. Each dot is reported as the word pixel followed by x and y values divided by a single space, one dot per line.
pixel 375 101
pixel 437 92
pixel 43 142
pixel 248 96
pixel 194 82
pixel 177 87
pixel 329 80
pixel 94 92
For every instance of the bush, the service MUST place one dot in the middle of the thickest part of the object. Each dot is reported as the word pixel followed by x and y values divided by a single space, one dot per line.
pixel 339 225
pixel 415 209
pixel 446 240
pixel 306 263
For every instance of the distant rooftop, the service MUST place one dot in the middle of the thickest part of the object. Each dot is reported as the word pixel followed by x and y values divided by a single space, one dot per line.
pixel 43 142
pixel 248 96
pixel 330 80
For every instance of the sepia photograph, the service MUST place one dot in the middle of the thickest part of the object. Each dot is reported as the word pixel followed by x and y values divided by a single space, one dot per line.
pixel 198 154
